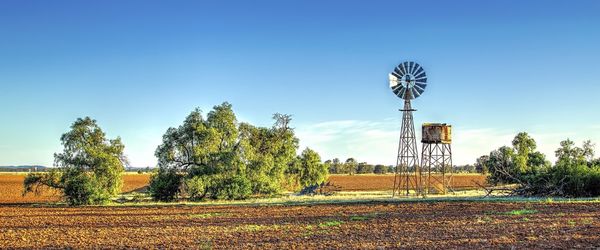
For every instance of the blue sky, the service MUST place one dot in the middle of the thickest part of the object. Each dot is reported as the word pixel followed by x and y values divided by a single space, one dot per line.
pixel 139 67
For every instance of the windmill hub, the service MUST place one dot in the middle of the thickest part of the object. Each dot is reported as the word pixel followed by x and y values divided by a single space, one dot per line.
pixel 408 81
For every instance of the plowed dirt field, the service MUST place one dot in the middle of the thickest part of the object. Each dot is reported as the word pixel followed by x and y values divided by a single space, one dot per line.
pixel 443 225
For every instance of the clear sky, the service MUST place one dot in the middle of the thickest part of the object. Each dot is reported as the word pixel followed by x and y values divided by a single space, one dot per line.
pixel 138 67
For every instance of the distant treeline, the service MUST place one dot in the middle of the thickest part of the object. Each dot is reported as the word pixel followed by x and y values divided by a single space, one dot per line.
pixel 22 168
pixel 351 166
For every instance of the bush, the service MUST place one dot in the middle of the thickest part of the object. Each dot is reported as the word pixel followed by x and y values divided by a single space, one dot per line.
pixel 575 174
pixel 235 187
pixel 577 180
pixel 196 187
pixel 312 171
pixel 80 188
pixel 165 185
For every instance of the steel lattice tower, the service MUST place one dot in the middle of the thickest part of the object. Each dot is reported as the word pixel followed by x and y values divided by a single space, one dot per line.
pixel 408 81
pixel 436 167
pixel 436 156
pixel 408 156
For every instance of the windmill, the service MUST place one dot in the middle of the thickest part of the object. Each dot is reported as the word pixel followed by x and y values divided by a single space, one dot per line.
pixel 408 81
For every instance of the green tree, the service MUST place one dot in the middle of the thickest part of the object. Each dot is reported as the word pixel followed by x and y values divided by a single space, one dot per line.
pixel 574 174
pixel 336 167
pixel 523 145
pixel 380 169
pixel 364 168
pixel 350 166
pixel 481 164
pixel 501 166
pixel 88 170
pixel 391 169
pixel 537 161
pixel 199 147
pixel 312 171
pixel 219 158
pixel 569 154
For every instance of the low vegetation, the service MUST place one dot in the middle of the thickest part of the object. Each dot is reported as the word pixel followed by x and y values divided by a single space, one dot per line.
pixel 575 174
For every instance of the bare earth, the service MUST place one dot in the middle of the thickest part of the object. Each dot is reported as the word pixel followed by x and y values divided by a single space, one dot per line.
pixel 471 225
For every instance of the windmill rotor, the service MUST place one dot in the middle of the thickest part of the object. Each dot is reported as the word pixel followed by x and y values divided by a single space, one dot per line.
pixel 408 80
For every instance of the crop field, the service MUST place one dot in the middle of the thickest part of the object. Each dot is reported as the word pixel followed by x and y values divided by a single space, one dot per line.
pixel 11 185
pixel 372 182
pixel 11 188
pixel 345 225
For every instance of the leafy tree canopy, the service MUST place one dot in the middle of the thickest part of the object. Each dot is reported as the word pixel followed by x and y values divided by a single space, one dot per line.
pixel 88 170
pixel 213 156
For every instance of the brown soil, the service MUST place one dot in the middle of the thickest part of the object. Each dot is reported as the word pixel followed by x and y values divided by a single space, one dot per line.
pixel 470 225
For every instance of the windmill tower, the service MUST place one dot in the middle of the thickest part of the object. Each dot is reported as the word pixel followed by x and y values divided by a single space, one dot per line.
pixel 408 81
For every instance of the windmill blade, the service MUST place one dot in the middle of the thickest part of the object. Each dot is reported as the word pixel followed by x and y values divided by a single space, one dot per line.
pixel 415 69
pixel 421 75
pixel 418 71
pixel 422 80
pixel 404 69
pixel 411 66
pixel 415 93
pixel 406 94
pixel 419 88
pixel 399 90
pixel 420 91
pixel 421 85
pixel 398 71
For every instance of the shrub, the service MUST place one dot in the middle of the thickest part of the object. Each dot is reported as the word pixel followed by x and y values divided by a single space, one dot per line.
pixel 196 187
pixel 232 188
pixel 80 188
pixel 165 184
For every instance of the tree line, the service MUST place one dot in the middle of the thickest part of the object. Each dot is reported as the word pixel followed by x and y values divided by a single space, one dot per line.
pixel 212 157
pixel 575 173
pixel 351 166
